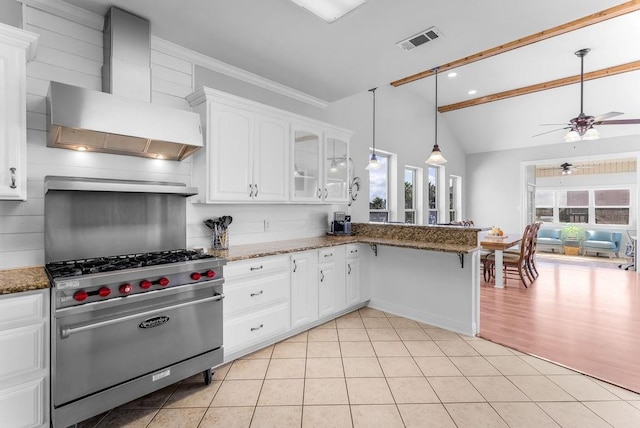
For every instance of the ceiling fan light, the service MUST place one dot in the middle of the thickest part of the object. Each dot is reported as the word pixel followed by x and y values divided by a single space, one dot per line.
pixel 591 134
pixel 436 157
pixel 373 162
pixel 572 137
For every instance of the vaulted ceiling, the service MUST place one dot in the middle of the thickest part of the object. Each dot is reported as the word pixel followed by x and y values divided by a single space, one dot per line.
pixel 278 40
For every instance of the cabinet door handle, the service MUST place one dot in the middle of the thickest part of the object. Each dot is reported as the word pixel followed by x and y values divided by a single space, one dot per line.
pixel 257 328
pixel 319 193
pixel 295 266
pixel 13 178
pixel 251 190
pixel 328 255
pixel 349 272
pixel 326 192
pixel 321 276
pixel 256 194
pixel 257 294
pixel 353 251
pixel 257 268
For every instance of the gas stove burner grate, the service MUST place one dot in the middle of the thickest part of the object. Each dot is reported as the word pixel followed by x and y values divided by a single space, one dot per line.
pixel 114 263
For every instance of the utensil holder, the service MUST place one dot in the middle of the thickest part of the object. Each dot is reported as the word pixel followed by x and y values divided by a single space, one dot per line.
pixel 220 239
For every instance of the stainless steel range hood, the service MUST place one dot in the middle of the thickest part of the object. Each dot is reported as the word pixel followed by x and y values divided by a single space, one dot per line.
pixel 122 120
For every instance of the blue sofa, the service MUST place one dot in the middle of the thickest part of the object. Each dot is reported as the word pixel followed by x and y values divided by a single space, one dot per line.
pixel 600 241
pixel 549 239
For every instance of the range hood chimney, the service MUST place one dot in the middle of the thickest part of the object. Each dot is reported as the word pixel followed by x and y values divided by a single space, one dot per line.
pixel 121 119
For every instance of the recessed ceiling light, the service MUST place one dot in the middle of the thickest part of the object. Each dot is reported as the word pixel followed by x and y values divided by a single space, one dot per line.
pixel 472 92
pixel 329 10
pixel 81 148
pixel 452 74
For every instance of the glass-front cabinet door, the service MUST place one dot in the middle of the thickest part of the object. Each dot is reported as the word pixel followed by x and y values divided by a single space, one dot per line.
pixel 336 169
pixel 305 178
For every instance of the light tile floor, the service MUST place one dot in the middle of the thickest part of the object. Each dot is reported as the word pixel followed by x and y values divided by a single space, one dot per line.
pixel 371 369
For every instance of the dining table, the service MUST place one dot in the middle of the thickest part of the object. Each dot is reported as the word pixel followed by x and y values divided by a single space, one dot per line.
pixel 498 244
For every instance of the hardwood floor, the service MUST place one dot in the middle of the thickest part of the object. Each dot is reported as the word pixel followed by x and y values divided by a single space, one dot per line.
pixel 585 318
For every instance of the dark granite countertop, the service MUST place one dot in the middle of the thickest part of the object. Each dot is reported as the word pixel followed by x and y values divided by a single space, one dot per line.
pixel 404 239
pixel 23 279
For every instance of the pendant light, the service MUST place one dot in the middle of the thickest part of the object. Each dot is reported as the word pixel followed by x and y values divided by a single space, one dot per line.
pixel 373 161
pixel 436 157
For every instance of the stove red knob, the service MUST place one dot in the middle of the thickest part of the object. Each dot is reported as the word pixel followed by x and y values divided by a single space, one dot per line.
pixel 196 276
pixel 210 274
pixel 164 282
pixel 145 284
pixel 126 288
pixel 104 291
pixel 80 295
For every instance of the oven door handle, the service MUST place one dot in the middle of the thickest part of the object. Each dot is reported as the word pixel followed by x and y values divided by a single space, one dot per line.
pixel 66 332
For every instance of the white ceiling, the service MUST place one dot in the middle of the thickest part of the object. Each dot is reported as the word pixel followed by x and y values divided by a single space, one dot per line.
pixel 280 41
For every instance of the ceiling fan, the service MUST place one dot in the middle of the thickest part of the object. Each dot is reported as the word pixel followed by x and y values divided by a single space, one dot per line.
pixel 581 127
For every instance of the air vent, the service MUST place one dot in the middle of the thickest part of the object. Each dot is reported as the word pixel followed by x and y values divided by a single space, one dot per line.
pixel 419 39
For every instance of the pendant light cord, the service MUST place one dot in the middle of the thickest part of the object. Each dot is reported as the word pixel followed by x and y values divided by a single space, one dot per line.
pixel 436 104
pixel 373 91
pixel 581 82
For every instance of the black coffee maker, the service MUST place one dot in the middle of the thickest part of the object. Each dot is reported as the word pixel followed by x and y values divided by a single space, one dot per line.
pixel 341 224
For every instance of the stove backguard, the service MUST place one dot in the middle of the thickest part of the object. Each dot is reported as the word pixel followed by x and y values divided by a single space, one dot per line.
pixel 81 224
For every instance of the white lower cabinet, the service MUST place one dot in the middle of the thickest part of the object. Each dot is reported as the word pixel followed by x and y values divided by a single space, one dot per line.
pixel 256 304
pixel 331 277
pixel 268 297
pixel 24 359
pixel 353 275
pixel 304 288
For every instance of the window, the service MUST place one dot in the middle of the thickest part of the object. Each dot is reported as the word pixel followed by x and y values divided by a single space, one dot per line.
pixel 544 205
pixel 612 206
pixel 573 206
pixel 410 195
pixel 379 190
pixel 455 198
pixel 433 195
pixel 587 206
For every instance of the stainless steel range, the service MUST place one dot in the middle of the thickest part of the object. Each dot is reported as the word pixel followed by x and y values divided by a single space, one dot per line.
pixel 124 325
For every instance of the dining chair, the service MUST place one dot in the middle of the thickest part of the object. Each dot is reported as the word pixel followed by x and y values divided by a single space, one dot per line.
pixel 516 263
pixel 531 261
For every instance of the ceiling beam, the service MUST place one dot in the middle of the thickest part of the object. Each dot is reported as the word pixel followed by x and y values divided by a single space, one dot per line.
pixel 603 15
pixel 611 71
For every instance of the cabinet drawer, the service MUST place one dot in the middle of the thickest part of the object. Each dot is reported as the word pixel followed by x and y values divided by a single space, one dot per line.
pixel 253 293
pixel 22 350
pixel 21 405
pixel 243 331
pixel 353 250
pixel 328 254
pixel 259 266
pixel 22 309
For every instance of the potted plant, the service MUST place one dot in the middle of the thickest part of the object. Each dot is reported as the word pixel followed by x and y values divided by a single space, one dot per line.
pixel 572 237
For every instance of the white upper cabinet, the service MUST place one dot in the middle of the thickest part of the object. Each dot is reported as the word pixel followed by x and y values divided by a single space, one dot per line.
pixel 254 152
pixel 336 168
pixel 305 168
pixel 320 164
pixel 16 48
pixel 246 151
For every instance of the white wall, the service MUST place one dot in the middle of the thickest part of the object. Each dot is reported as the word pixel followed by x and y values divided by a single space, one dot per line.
pixel 493 185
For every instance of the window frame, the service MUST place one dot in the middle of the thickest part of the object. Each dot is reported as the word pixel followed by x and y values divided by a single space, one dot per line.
pixel 387 210
pixel 417 194
pixel 436 209
pixel 592 221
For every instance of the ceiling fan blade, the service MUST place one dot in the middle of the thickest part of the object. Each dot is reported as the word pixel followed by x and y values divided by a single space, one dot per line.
pixel 554 124
pixel 549 132
pixel 619 122
pixel 606 116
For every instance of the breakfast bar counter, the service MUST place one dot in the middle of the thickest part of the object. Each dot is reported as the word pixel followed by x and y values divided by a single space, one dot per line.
pixel 431 238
